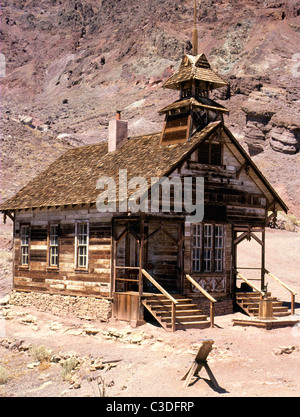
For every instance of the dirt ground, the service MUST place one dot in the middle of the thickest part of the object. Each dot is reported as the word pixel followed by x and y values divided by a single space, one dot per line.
pixel 149 362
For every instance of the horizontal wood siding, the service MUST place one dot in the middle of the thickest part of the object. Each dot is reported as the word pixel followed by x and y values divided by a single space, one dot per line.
pixel 65 279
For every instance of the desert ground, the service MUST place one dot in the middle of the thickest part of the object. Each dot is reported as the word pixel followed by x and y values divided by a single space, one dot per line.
pixel 42 355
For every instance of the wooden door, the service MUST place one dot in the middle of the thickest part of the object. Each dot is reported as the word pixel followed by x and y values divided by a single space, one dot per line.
pixel 164 256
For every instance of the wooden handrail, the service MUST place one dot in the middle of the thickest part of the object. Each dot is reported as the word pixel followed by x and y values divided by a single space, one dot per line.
pixel 280 282
pixel 161 289
pixel 211 299
pixel 198 286
pixel 166 294
pixel 293 293
pixel 239 275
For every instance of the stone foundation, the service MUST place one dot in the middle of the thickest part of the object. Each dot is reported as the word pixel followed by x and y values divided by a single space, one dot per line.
pixel 88 308
pixel 222 306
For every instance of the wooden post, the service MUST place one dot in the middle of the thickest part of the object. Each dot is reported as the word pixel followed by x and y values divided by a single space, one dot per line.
pixel 173 317
pixel 293 304
pixel 265 308
pixel 263 260
pixel 113 262
pixel 180 259
pixel 141 254
pixel 212 314
pixel 141 258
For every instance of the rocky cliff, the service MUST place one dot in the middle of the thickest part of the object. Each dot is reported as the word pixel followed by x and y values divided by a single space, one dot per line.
pixel 70 64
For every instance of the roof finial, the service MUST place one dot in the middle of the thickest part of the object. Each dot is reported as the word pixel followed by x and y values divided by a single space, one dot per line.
pixel 195 32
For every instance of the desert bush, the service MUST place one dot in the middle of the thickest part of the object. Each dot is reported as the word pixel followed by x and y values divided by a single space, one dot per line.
pixel 293 219
pixel 68 366
pixel 41 353
pixel 4 376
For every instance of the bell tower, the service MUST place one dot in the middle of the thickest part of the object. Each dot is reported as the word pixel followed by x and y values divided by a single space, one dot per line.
pixel 194 110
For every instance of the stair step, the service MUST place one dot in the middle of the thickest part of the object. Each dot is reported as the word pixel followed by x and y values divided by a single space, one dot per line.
pixel 181 319
pixel 180 313
pixel 156 306
pixel 193 325
pixel 249 301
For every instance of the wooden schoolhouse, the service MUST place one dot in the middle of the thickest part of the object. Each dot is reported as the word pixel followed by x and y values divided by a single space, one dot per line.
pixel 150 264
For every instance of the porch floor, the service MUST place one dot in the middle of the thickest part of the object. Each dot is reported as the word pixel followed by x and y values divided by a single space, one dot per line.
pixel 267 323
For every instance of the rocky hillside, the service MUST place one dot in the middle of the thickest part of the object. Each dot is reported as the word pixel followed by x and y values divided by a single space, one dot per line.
pixel 70 64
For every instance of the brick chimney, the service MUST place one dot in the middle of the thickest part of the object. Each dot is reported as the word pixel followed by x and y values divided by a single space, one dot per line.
pixel 117 133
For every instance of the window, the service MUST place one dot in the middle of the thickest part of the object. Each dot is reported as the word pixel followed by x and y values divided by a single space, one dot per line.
pixel 53 244
pixel 24 236
pixel 207 245
pixel 82 245
pixel 218 248
pixel 197 248
pixel 207 248
pixel 210 153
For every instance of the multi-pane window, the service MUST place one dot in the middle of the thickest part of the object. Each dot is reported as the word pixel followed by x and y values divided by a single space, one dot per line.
pixel 208 248
pixel 197 248
pixel 218 248
pixel 53 244
pixel 24 236
pixel 82 245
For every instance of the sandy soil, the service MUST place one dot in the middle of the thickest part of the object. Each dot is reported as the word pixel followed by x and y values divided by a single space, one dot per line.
pixel 150 362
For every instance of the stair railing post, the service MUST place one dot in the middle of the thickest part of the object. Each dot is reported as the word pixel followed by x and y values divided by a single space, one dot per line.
pixel 173 317
pixel 293 304
pixel 212 313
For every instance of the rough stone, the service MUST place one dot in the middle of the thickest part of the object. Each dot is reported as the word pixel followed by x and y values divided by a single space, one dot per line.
pixel 88 308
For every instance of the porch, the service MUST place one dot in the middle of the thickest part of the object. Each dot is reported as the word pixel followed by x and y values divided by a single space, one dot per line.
pixel 148 274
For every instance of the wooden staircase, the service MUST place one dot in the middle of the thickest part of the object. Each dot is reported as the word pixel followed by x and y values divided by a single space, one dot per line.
pixel 188 316
pixel 249 303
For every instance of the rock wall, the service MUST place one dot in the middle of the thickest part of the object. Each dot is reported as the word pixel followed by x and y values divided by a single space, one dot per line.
pixel 88 308
pixel 271 120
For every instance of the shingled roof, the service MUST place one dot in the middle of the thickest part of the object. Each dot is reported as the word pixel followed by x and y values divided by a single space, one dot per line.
pixel 72 178
pixel 202 102
pixel 197 68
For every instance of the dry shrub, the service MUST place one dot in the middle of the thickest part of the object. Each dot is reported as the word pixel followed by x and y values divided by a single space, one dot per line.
pixel 68 366
pixel 41 353
pixel 4 376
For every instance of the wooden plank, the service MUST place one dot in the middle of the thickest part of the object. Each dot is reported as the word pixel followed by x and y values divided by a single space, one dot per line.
pixel 155 283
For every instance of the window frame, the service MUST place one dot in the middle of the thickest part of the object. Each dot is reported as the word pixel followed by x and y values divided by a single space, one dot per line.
pixel 208 238
pixel 21 264
pixel 78 245
pixel 49 265
pixel 210 144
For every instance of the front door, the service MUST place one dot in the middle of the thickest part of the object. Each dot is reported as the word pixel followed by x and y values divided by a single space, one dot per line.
pixel 162 254
pixel 126 255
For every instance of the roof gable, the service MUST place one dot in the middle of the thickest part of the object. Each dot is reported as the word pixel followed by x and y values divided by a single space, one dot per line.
pixel 72 178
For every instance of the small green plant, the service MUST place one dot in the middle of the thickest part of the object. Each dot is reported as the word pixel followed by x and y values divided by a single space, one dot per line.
pixel 4 376
pixel 41 353
pixel 68 366
pixel 293 219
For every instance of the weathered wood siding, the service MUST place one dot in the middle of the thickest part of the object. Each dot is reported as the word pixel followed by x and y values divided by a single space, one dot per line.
pixel 163 257
pixel 231 193
pixel 66 278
